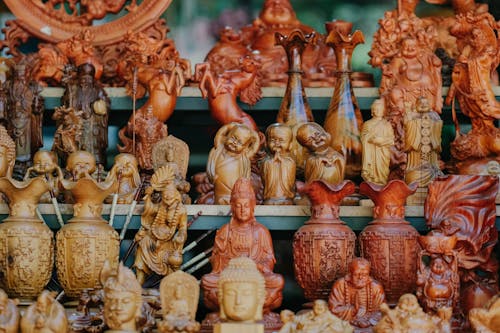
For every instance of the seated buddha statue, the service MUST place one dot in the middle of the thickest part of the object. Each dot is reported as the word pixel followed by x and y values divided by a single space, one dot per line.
pixel 243 236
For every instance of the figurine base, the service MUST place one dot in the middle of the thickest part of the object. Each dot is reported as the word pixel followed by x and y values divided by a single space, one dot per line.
pixel 238 328
pixel 271 322
pixel 418 198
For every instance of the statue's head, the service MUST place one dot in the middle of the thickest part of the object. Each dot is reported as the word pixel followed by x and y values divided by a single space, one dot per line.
pixel 241 291
pixel 422 104
pixel 126 166
pixel 378 108
pixel 122 297
pixel 44 301
pixel 409 48
pixel 438 265
pixel 278 12
pixel 279 138
pixel 409 303
pixel 312 136
pixel 44 161
pixel 238 139
pixel 86 73
pixel 359 272
pixel 243 200
pixel 319 307
pixel 7 153
pixel 80 163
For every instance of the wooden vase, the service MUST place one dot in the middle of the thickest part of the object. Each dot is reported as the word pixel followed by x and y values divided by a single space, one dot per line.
pixel 324 246
pixel 26 243
pixel 87 241
pixel 389 242
pixel 343 120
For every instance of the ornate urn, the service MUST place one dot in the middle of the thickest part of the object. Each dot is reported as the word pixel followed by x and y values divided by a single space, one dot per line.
pixel 389 242
pixel 324 246
pixel 87 241
pixel 294 108
pixel 343 120
pixel 26 243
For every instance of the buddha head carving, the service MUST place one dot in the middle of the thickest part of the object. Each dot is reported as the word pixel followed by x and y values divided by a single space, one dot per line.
pixel 122 297
pixel 241 291
pixel 279 138
pixel 359 272
pixel 7 153
pixel 44 162
pixel 80 163
pixel 312 136
pixel 243 200
pixel 126 167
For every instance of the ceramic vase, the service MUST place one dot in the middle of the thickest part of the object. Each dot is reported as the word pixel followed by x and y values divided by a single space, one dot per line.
pixel 324 246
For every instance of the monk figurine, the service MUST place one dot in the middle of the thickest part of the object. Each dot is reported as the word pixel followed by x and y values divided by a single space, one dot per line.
pixel 243 236
pixel 179 295
pixel 241 292
pixel 318 320
pixel 163 229
pixel 80 164
pixel 487 319
pixel 230 159
pixel 408 317
pixel 46 315
pixel 7 153
pixel 357 296
pixel 278 169
pixel 122 298
pixel 126 171
pixel 324 162
pixel 9 314
pixel 45 164
pixel 377 138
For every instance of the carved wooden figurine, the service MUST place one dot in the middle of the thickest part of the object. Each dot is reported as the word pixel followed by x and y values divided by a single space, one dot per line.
pixel 377 138
pixel 45 315
pixel 241 292
pixel 163 227
pixel 408 317
pixel 68 135
pixel 45 164
pixel 278 169
pixel 230 158
pixel 318 320
pixel 243 236
pixel 222 91
pixel 7 153
pixel 324 163
pixel 126 171
pixel 486 319
pixel 179 295
pixel 357 296
pixel 122 298
pixel 9 314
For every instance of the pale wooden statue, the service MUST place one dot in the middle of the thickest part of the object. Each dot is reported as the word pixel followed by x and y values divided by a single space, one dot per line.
pixel 278 169
pixel 122 298
pixel 377 138
pixel 46 315
pixel 408 317
pixel 318 320
pixel 487 319
pixel 241 293
pixel 7 153
pixel 9 314
pixel 126 171
pixel 179 295
pixel 230 158
pixel 324 162
pixel 45 164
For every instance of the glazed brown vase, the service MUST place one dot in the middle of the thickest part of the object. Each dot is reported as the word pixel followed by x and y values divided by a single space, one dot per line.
pixel 294 109
pixel 389 242
pixel 324 246
pixel 87 241
pixel 26 243
pixel 343 120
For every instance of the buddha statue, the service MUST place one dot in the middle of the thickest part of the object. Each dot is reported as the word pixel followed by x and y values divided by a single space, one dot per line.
pixel 126 171
pixel 241 293
pixel 243 236
pixel 9 314
pixel 122 298
pixel 46 315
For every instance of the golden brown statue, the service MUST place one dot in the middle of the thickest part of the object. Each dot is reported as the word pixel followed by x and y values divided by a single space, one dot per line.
pixel 408 317
pixel 9 314
pixel 126 171
pixel 357 296
pixel 324 163
pixel 227 52
pixel 163 228
pixel 230 158
pixel 7 153
pixel 487 319
pixel 46 315
pixel 179 295
pixel 67 137
pixel 45 164
pixel 241 293
pixel 278 169
pixel 318 320
pixel 377 138
pixel 122 298
pixel 243 236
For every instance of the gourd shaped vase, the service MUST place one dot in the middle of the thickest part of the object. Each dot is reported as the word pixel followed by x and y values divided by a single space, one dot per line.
pixel 87 241
pixel 389 242
pixel 324 246
pixel 343 119
pixel 294 109
pixel 26 243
